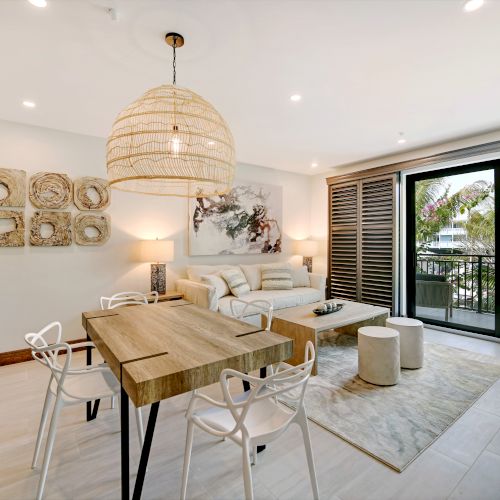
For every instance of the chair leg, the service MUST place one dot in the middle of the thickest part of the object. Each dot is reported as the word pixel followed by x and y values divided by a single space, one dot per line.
pixel 48 448
pixel 302 420
pixel 247 470
pixel 140 427
pixel 187 458
pixel 112 402
pixel 254 455
pixel 41 428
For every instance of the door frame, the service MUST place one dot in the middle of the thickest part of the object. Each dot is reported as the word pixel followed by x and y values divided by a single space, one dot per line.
pixel 410 246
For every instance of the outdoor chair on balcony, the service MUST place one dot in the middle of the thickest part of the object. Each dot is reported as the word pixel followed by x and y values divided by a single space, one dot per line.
pixel 434 291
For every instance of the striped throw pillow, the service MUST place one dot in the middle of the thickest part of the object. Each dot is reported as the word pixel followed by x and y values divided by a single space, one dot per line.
pixel 277 277
pixel 236 282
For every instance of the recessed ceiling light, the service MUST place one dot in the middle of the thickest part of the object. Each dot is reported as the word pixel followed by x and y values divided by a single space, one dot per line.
pixel 401 139
pixel 38 3
pixel 314 165
pixel 29 104
pixel 472 5
pixel 295 97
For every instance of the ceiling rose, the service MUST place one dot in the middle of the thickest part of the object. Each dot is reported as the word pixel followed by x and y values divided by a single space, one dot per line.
pixel 171 142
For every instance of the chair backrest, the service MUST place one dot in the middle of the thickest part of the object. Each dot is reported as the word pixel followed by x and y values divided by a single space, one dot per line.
pixel 289 382
pixel 47 353
pixel 241 308
pixel 128 299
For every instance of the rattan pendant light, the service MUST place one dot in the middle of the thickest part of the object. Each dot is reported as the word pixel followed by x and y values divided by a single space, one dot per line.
pixel 171 142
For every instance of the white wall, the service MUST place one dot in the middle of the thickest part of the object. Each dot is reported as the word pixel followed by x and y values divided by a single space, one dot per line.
pixel 39 285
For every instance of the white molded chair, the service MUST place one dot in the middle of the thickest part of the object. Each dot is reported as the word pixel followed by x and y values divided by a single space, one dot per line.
pixel 68 386
pixel 254 418
pixel 256 306
pixel 128 299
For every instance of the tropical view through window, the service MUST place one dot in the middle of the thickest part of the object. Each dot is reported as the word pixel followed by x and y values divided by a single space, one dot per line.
pixel 455 244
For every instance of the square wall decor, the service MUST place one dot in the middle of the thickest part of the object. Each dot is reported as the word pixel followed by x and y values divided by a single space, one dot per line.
pixel 91 229
pixel 13 183
pixel 91 193
pixel 58 225
pixel 50 190
pixel 14 238
pixel 246 220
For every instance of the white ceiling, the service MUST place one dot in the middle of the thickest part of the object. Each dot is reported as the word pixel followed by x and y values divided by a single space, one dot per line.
pixel 367 69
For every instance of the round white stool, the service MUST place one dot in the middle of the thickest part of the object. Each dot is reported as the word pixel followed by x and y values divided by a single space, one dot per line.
pixel 378 355
pixel 411 338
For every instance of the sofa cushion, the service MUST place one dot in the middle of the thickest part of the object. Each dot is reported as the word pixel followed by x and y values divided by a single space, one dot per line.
pixel 280 299
pixel 300 276
pixel 253 275
pixel 236 282
pixel 196 272
pixel 277 276
pixel 218 282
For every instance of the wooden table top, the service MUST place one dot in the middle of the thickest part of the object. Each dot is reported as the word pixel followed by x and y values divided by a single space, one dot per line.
pixel 161 350
pixel 352 312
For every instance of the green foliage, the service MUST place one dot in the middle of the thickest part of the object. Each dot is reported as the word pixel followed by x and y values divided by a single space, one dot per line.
pixel 436 209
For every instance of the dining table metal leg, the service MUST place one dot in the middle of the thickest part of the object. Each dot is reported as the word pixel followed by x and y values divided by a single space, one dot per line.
pixel 146 448
pixel 125 452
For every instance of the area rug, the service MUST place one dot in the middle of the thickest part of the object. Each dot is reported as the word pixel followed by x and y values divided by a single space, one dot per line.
pixel 395 424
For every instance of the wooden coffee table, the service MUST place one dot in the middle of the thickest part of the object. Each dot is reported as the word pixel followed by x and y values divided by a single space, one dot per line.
pixel 301 324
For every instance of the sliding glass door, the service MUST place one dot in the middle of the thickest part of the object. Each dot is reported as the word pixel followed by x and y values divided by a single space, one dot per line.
pixel 451 241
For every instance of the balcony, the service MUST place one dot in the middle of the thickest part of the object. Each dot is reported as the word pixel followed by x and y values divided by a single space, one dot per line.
pixel 459 288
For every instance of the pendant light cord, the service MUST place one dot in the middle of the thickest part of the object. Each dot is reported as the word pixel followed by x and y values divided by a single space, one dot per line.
pixel 174 62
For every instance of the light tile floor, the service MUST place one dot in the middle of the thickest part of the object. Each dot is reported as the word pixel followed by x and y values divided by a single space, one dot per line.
pixel 464 463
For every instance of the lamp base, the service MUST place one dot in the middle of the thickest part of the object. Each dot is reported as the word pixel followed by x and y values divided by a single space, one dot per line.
pixel 158 278
pixel 308 262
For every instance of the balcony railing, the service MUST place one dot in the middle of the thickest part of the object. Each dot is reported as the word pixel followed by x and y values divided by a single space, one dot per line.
pixel 472 277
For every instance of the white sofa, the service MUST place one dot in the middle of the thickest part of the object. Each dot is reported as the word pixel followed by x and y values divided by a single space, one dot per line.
pixel 206 295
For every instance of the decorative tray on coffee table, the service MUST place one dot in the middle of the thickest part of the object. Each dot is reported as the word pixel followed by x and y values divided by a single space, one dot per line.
pixel 322 312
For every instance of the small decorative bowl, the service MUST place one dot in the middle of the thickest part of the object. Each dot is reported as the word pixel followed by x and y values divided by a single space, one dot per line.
pixel 327 308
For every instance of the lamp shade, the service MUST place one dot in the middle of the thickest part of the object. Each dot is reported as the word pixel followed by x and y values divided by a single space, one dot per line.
pixel 171 142
pixel 156 251
pixel 306 248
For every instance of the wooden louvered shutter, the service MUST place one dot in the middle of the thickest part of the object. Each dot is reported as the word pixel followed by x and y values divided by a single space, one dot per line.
pixel 343 238
pixel 377 240
pixel 362 240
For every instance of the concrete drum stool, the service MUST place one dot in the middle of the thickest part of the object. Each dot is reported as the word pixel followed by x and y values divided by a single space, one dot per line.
pixel 411 338
pixel 378 355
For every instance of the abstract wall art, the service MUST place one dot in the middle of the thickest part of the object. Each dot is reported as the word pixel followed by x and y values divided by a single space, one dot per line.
pixel 15 237
pixel 50 190
pixel 59 224
pixel 91 193
pixel 13 184
pixel 91 229
pixel 247 220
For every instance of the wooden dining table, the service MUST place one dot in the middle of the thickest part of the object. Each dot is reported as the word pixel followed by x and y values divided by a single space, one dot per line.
pixel 162 350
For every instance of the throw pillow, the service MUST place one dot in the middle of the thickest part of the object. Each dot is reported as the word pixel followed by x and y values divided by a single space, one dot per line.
pixel 236 281
pixel 300 277
pixel 195 272
pixel 253 275
pixel 216 280
pixel 276 277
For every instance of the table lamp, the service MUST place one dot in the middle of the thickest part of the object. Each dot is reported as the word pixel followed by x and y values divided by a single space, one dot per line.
pixel 157 252
pixel 308 249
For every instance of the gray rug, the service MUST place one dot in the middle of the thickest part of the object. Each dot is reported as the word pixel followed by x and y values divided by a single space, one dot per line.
pixel 395 424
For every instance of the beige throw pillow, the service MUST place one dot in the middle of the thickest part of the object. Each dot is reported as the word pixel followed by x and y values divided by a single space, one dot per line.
pixel 276 277
pixel 216 280
pixel 300 277
pixel 253 275
pixel 236 282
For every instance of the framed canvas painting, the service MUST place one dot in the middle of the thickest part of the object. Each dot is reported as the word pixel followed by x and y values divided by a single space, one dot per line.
pixel 244 221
